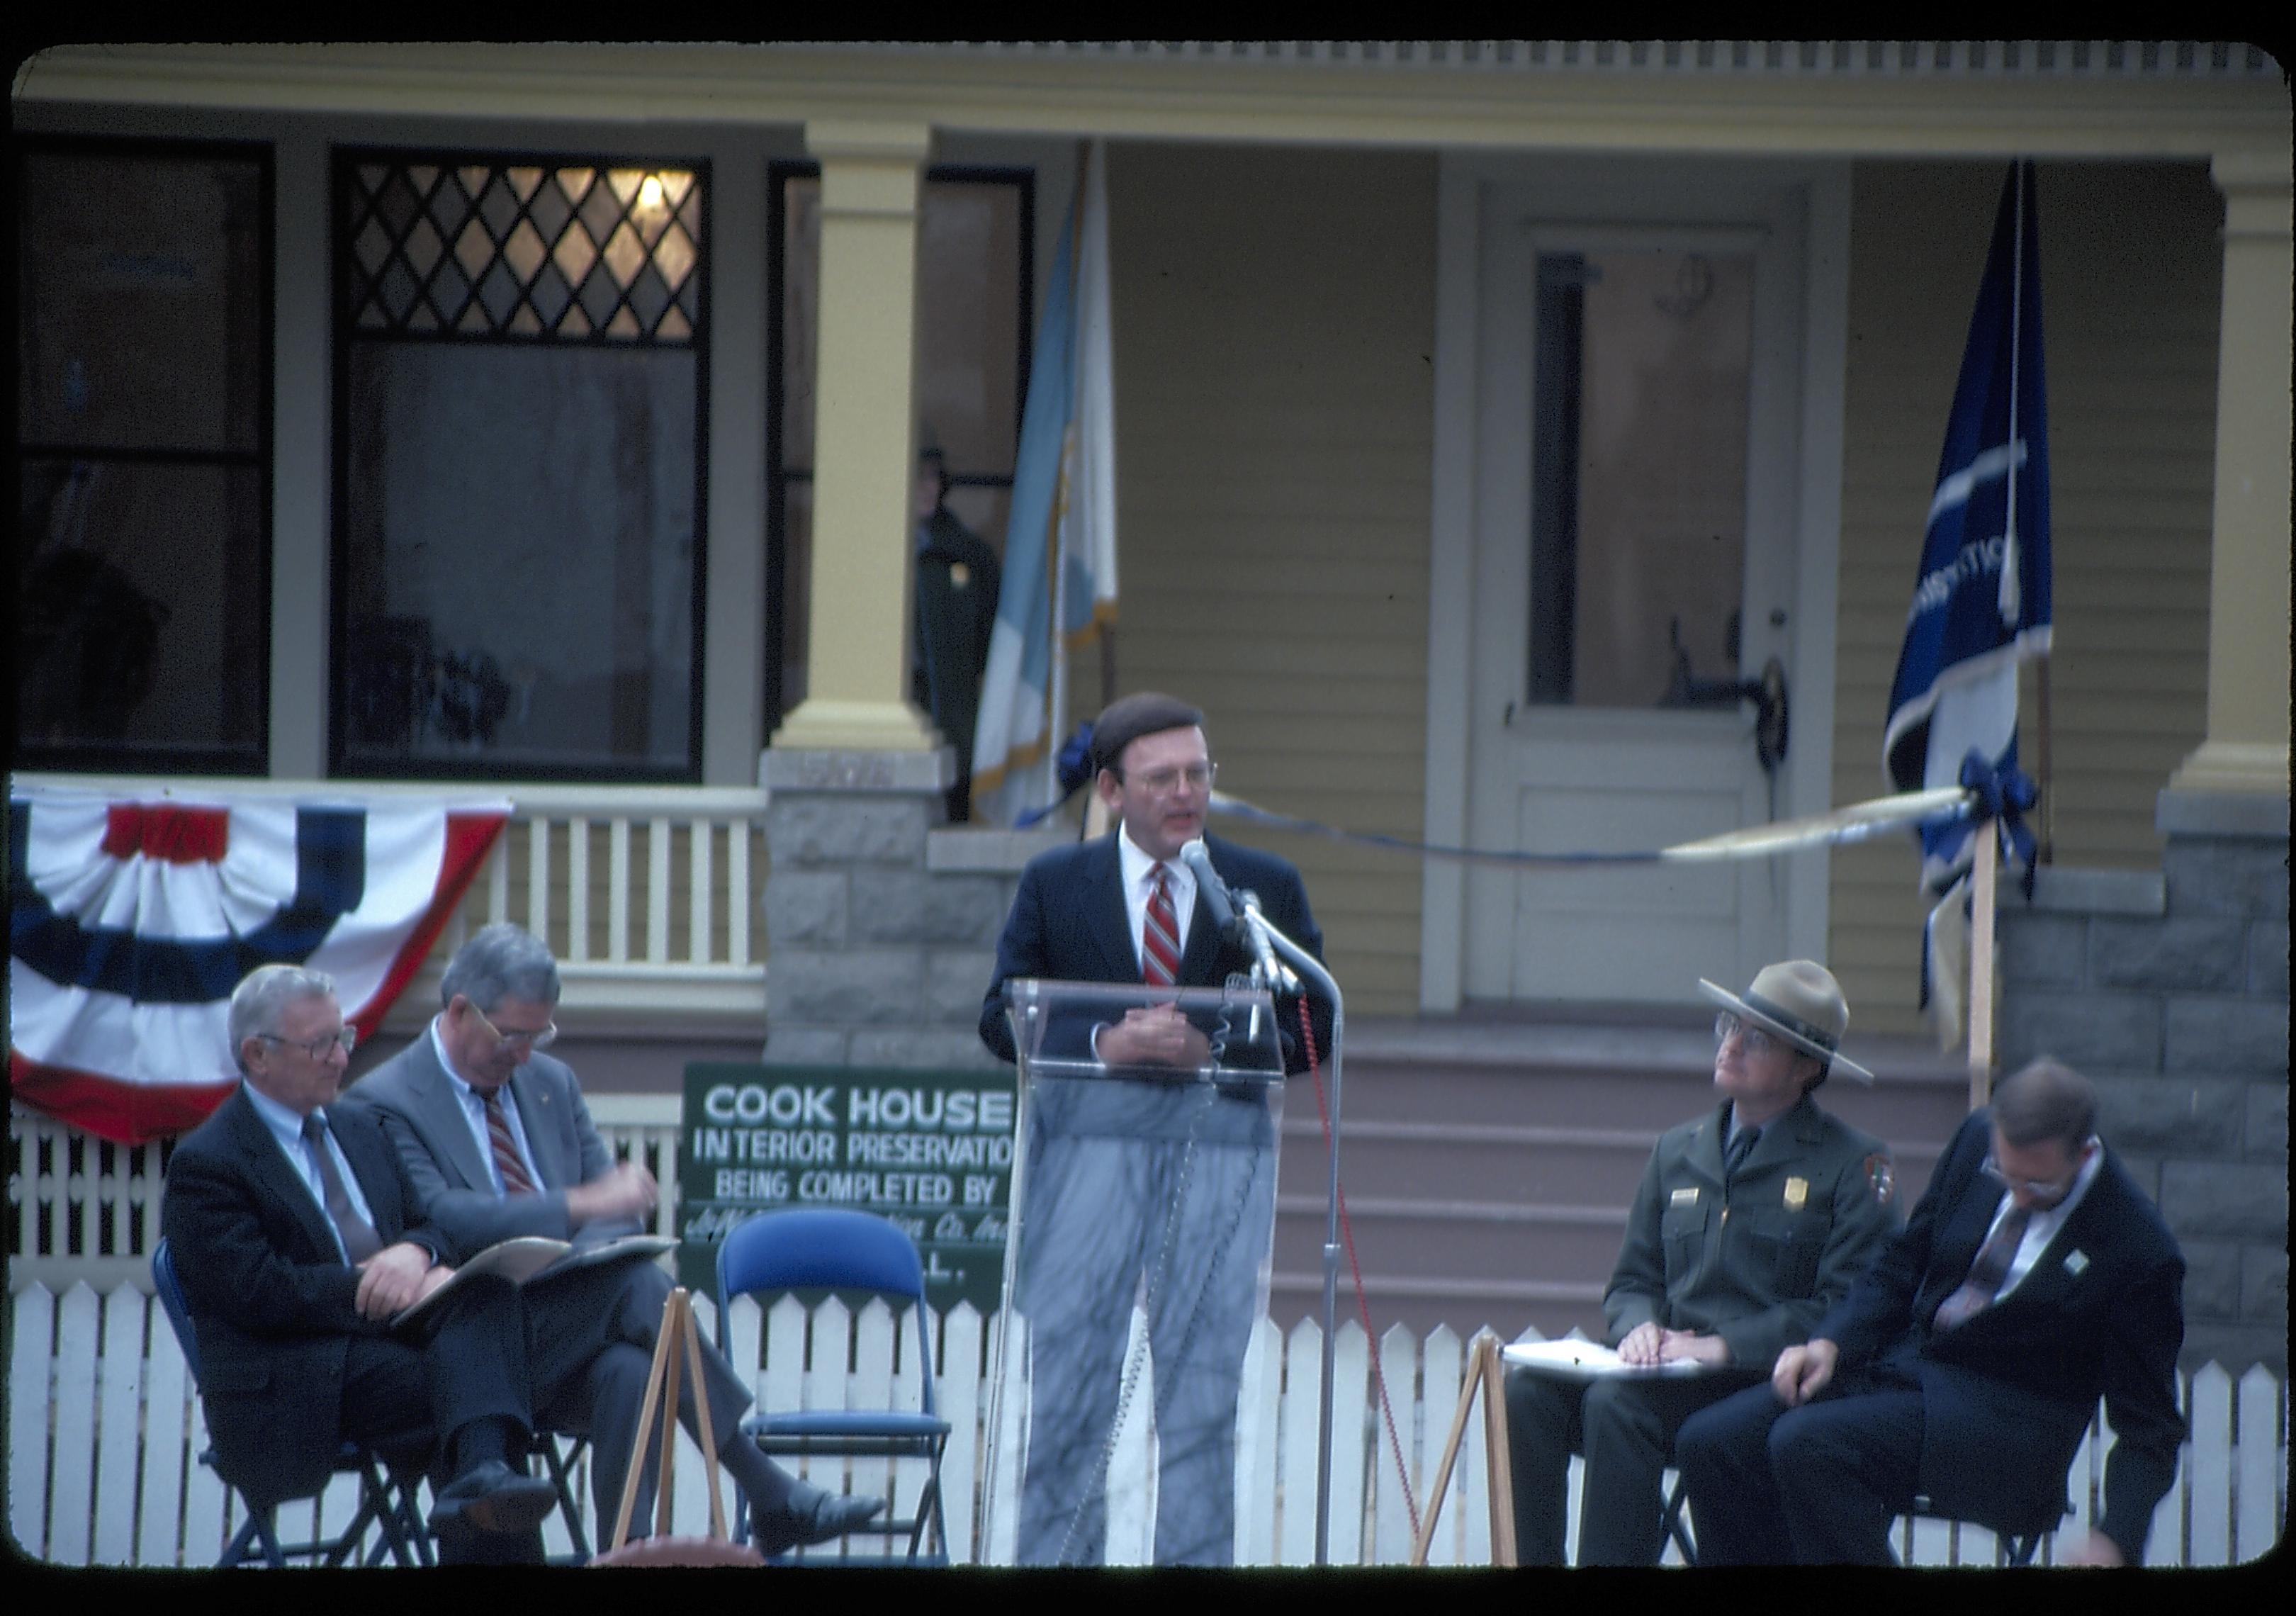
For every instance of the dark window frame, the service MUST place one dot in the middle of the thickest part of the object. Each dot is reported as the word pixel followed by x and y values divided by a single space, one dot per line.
pixel 779 476
pixel 253 760
pixel 343 330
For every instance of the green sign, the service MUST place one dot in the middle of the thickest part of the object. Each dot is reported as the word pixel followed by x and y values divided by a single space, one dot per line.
pixel 931 1151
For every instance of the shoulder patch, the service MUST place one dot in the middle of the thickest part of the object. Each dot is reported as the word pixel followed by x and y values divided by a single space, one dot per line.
pixel 1879 1174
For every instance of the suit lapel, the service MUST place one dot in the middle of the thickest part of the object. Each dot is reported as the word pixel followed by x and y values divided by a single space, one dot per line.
pixel 440 1114
pixel 537 1113
pixel 375 1169
pixel 267 1168
pixel 1107 916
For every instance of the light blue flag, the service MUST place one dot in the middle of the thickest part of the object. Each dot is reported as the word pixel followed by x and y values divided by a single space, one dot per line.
pixel 1063 505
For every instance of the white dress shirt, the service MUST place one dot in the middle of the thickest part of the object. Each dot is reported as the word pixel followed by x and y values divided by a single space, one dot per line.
pixel 2044 1225
pixel 1139 872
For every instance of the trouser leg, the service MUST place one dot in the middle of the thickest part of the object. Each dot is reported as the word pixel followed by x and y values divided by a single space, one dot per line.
pixel 1724 1455
pixel 1200 1328
pixel 1627 1431
pixel 1079 1264
pixel 1845 1467
pixel 1543 1429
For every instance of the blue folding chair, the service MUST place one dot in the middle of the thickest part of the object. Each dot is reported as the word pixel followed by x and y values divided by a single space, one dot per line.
pixel 386 1494
pixel 842 1250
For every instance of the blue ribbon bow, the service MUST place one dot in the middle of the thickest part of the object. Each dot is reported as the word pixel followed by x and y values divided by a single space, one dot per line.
pixel 1073 767
pixel 2003 798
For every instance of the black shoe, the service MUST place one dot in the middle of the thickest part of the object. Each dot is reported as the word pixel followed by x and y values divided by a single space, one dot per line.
pixel 491 1497
pixel 810 1515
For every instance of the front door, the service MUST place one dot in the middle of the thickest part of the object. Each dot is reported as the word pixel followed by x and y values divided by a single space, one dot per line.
pixel 1636 486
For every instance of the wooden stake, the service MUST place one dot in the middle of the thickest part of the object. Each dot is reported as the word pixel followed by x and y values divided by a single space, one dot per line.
pixel 1980 967
pixel 1486 1374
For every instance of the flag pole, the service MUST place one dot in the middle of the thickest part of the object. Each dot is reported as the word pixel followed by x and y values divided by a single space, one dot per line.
pixel 1981 966
pixel 1063 490
pixel 2009 557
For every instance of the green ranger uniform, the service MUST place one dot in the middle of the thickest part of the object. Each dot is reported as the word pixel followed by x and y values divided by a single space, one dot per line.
pixel 1757 1261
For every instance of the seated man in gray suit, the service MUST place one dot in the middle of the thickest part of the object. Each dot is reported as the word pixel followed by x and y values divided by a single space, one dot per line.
pixel 498 1143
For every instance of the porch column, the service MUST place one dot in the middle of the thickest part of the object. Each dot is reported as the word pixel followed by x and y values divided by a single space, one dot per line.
pixel 2247 746
pixel 865 450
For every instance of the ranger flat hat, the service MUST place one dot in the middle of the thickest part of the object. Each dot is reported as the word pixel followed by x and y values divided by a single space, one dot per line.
pixel 1800 1002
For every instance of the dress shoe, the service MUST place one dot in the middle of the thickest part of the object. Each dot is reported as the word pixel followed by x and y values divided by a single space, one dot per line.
pixel 809 1515
pixel 490 1496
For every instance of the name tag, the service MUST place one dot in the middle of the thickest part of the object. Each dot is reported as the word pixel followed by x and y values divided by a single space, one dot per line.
pixel 1797 1193
pixel 1685 1197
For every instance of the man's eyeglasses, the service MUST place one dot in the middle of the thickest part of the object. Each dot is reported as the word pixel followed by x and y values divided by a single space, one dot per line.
pixel 2040 1190
pixel 318 1049
pixel 532 1040
pixel 1754 1040
pixel 1164 782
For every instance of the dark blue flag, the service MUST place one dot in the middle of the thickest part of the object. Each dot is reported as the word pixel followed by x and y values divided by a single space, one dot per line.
pixel 1981 599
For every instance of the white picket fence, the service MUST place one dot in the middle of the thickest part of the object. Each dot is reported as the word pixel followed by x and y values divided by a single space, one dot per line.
pixel 105 1433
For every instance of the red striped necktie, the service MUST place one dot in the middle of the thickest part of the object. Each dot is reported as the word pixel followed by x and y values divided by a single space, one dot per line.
pixel 1159 938
pixel 515 1181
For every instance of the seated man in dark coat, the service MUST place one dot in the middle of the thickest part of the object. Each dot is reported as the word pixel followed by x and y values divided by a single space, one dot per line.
pixel 2033 1278
pixel 296 1240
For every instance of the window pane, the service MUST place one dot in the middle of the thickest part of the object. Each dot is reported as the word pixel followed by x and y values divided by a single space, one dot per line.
pixel 793 594
pixel 1642 416
pixel 141 617
pixel 968 335
pixel 800 334
pixel 519 568
pixel 140 316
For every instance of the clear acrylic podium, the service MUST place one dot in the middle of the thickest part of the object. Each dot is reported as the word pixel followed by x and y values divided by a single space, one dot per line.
pixel 1135 1268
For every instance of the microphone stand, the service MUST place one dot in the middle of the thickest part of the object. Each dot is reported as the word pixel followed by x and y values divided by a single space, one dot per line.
pixel 1267 932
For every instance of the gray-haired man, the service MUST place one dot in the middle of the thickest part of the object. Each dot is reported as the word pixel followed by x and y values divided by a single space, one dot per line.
pixel 297 1240
pixel 498 1144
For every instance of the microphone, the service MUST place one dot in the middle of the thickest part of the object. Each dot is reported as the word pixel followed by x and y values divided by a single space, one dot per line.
pixel 1277 975
pixel 1208 883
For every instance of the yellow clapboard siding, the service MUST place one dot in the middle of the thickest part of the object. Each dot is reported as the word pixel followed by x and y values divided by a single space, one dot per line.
pixel 1274 496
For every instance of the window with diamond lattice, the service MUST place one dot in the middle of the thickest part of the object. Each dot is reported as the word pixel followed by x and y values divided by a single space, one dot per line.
pixel 520 396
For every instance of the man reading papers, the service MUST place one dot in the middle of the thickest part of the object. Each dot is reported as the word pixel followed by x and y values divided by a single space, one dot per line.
pixel 495 1140
pixel 1751 1220
pixel 297 1239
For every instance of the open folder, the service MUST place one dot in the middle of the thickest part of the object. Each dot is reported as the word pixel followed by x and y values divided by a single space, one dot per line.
pixel 1583 1360
pixel 532 1257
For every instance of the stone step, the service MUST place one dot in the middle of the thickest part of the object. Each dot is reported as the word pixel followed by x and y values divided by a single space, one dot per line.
pixel 1463 1161
pixel 1489 1162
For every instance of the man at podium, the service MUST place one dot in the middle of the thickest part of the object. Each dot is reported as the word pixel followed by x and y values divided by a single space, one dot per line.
pixel 1177 1201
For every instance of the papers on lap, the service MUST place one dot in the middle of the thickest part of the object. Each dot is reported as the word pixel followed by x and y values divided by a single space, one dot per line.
pixel 532 1257
pixel 1582 1360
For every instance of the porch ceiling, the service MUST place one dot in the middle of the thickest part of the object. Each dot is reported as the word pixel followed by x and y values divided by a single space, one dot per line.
pixel 1846 98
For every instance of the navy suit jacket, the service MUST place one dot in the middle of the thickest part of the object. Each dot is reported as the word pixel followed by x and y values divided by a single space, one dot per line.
pixel 273 1303
pixel 2008 1394
pixel 1069 923
pixel 423 1116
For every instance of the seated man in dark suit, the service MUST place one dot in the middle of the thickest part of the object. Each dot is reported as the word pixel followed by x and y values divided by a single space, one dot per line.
pixel 497 1142
pixel 2033 1277
pixel 296 1239
pixel 1150 1181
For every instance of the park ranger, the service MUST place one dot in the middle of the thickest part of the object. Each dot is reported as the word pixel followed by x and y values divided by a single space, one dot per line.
pixel 1751 1220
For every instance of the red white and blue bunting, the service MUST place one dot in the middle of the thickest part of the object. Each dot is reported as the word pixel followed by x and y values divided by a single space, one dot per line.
pixel 132 919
